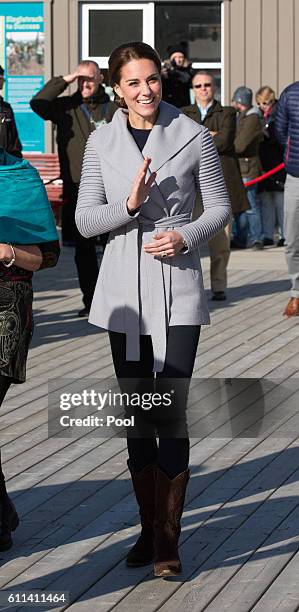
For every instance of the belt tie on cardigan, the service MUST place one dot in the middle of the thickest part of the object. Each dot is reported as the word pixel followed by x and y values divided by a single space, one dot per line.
pixel 159 286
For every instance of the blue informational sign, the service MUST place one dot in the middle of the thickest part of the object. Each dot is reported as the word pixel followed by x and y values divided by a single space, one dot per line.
pixel 22 53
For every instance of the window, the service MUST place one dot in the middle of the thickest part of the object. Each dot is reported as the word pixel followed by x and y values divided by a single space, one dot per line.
pixel 106 26
pixel 198 28
pixel 104 36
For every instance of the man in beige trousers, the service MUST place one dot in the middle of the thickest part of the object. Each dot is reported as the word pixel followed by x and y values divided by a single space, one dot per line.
pixel 221 121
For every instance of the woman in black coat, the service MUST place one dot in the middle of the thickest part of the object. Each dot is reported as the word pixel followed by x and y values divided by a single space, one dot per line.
pixel 271 190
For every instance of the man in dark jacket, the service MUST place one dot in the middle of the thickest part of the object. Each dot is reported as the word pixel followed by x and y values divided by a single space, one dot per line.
pixel 287 132
pixel 9 138
pixel 75 117
pixel 249 135
pixel 176 76
pixel 221 121
pixel 271 155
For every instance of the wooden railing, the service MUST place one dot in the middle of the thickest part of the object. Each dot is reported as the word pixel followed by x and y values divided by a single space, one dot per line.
pixel 49 169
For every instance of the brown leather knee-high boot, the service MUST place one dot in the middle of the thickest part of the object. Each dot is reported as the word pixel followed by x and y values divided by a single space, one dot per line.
pixel 170 497
pixel 9 519
pixel 142 552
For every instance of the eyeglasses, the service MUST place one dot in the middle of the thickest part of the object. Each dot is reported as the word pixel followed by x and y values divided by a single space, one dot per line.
pixel 200 85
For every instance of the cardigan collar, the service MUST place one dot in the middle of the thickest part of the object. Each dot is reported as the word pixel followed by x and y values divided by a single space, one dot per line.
pixel 171 133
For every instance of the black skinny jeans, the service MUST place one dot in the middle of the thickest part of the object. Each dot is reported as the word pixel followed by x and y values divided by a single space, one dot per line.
pixel 5 383
pixel 172 454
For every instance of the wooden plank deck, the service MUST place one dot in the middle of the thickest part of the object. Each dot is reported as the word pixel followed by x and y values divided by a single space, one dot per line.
pixel 240 541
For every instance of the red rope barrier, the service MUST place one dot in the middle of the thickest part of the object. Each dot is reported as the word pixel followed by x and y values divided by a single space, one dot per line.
pixel 264 176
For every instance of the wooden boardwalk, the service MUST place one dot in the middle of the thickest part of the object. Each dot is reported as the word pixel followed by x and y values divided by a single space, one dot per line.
pixel 240 535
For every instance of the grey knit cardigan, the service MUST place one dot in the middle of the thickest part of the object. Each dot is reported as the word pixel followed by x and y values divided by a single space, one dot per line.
pixel 137 293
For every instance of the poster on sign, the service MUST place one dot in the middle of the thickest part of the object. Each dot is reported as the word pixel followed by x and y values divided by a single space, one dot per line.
pixel 22 54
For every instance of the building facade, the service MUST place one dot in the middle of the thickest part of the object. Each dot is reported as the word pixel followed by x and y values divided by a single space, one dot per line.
pixel 252 42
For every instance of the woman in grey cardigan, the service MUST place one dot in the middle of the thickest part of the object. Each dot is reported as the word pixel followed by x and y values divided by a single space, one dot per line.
pixel 139 180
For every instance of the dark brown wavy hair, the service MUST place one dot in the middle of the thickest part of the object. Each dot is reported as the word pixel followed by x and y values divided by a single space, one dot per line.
pixel 122 55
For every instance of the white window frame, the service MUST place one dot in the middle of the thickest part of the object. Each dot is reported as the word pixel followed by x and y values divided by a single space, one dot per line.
pixel 148 25
pixel 148 28
pixel 219 65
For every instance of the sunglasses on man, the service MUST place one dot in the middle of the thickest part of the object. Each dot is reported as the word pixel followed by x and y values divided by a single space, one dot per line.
pixel 200 85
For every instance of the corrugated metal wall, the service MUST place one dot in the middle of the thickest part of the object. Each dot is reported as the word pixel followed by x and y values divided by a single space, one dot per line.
pixel 65 36
pixel 261 44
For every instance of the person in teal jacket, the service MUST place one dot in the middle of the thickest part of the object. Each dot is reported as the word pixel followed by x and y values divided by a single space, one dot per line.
pixel 28 242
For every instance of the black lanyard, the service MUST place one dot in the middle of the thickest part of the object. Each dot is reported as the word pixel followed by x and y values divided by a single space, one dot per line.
pixel 87 114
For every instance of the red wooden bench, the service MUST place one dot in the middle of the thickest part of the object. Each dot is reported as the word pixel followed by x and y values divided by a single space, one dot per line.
pixel 49 170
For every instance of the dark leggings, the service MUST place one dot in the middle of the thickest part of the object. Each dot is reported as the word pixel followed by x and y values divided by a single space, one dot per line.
pixel 172 454
pixel 3 492
pixel 5 383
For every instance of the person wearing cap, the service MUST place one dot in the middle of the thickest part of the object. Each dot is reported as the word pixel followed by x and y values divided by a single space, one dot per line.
pixel 9 137
pixel 249 135
pixel 287 133
pixel 176 76
pixel 221 122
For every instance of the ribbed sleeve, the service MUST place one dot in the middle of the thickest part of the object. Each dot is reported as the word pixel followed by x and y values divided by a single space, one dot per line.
pixel 216 204
pixel 93 215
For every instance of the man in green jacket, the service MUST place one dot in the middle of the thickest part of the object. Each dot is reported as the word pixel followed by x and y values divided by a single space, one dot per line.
pixel 221 121
pixel 75 117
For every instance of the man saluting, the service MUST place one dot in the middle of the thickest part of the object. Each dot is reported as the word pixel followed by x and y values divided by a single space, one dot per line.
pixel 75 117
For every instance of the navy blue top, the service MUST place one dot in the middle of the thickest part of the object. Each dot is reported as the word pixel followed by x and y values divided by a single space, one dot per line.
pixel 140 136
